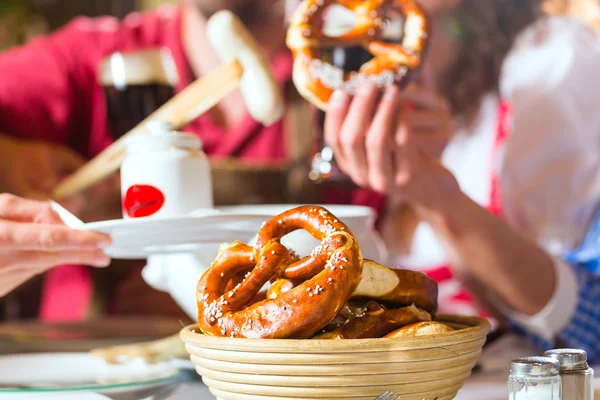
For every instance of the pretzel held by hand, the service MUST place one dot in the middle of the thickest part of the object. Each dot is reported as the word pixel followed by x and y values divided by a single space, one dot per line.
pixel 316 80
pixel 298 313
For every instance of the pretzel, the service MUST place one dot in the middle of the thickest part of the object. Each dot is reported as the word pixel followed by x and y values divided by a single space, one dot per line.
pixel 393 63
pixel 297 313
pixel 376 321
pixel 400 287
pixel 420 329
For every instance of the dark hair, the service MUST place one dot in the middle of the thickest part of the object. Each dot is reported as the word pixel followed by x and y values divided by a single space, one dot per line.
pixel 489 29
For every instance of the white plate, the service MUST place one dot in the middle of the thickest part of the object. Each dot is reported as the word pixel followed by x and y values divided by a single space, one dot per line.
pixel 69 372
pixel 202 231
pixel 344 212
pixel 140 238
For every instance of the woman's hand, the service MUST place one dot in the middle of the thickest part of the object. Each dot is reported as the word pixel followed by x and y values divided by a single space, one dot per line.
pixel 33 239
pixel 391 142
pixel 33 168
pixel 390 147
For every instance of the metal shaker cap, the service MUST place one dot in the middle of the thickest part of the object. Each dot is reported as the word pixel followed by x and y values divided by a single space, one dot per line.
pixel 569 359
pixel 534 366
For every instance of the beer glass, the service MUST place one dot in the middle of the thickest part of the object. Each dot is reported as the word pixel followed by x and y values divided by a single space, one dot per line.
pixel 338 20
pixel 135 85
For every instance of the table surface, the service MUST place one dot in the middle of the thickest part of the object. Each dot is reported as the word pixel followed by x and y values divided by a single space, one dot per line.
pixel 489 382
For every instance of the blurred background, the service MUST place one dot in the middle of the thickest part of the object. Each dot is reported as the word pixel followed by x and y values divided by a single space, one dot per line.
pixel 20 20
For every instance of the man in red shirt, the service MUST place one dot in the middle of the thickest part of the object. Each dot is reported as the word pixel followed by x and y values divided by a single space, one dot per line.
pixel 53 114
pixel 49 89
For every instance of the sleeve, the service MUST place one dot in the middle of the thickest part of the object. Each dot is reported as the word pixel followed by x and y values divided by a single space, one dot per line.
pixel 557 314
pixel 581 331
pixel 47 87
pixel 37 97
pixel 549 169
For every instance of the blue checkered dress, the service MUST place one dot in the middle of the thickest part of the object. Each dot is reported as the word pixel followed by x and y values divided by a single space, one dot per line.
pixel 583 332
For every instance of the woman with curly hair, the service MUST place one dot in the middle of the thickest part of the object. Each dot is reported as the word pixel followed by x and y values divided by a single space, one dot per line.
pixel 488 163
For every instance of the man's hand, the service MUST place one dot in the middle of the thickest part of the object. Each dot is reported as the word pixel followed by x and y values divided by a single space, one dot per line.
pixel 34 239
pixel 33 168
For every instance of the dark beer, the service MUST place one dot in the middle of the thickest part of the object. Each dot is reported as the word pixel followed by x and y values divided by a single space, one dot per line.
pixel 350 59
pixel 135 85
pixel 128 106
pixel 324 168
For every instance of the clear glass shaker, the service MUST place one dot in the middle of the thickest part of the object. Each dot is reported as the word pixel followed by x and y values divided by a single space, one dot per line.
pixel 534 378
pixel 576 375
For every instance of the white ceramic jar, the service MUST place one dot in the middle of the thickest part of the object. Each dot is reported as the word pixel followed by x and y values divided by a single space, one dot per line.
pixel 165 174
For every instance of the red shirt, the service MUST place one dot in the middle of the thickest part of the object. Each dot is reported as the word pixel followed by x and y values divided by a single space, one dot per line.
pixel 49 90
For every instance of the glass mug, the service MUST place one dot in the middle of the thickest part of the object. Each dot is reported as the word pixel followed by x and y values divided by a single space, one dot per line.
pixel 135 85
pixel 324 169
pixel 323 165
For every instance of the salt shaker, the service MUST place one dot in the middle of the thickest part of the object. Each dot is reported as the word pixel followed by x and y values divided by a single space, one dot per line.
pixel 534 378
pixel 165 174
pixel 577 377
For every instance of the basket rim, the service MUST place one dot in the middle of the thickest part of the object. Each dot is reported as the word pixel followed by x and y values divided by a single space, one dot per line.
pixel 475 329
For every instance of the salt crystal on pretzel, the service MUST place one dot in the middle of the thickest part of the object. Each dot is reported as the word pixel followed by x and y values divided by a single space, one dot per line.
pixel 297 313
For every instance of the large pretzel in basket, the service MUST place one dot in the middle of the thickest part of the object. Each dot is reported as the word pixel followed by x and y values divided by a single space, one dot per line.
pixel 299 313
pixel 394 286
pixel 392 63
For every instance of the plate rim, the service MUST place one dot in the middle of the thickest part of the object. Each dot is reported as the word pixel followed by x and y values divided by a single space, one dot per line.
pixel 223 213
pixel 171 377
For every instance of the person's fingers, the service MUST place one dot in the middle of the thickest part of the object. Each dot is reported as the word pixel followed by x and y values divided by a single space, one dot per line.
pixel 38 260
pixel 337 109
pixel 354 132
pixel 379 142
pixel 53 238
pixel 20 209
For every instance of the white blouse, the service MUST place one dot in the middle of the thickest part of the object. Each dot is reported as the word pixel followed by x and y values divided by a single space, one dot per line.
pixel 548 168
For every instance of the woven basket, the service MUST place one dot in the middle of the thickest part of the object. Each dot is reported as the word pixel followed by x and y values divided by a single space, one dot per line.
pixel 415 368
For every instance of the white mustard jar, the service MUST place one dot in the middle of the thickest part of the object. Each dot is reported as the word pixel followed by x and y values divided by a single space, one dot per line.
pixel 165 174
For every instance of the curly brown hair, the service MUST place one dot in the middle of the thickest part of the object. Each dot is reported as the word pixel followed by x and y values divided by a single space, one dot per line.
pixel 488 29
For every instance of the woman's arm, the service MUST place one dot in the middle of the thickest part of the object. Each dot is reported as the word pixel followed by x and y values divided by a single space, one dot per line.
pixel 510 265
pixel 390 159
